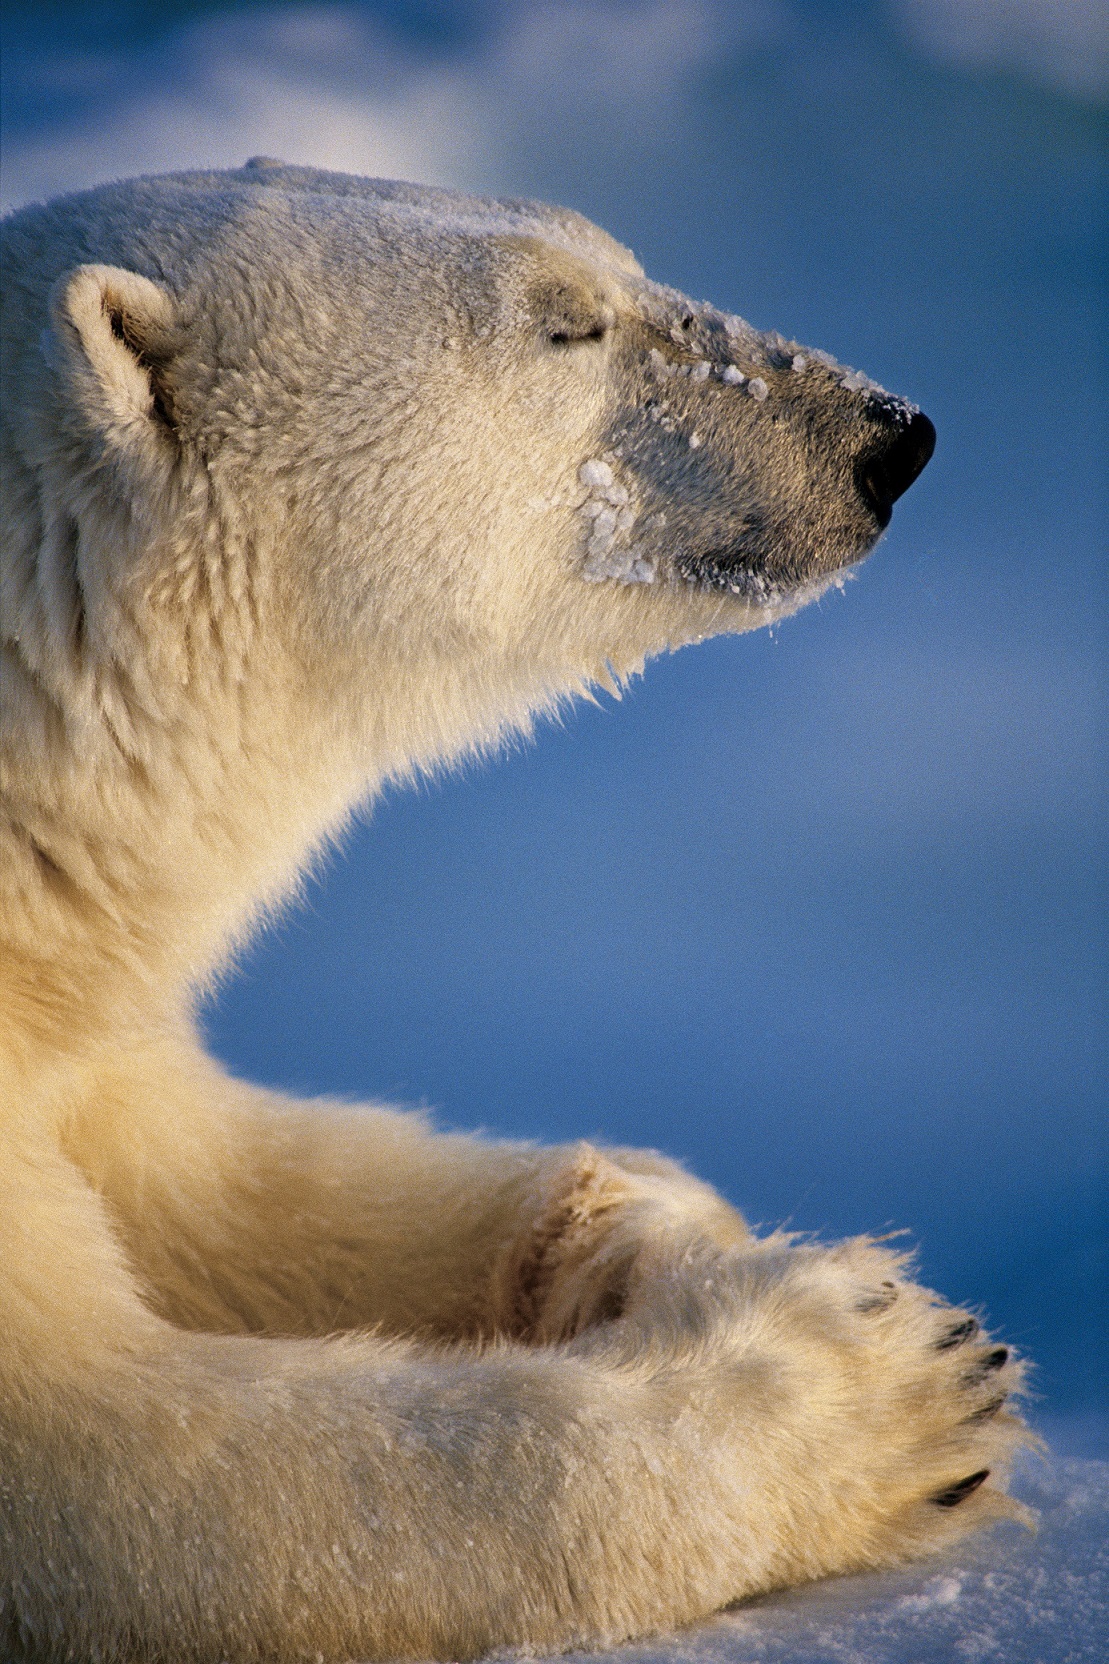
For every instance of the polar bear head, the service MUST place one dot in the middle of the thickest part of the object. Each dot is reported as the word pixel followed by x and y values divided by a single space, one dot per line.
pixel 304 467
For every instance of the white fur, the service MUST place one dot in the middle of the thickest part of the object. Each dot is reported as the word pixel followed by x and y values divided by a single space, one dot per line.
pixel 295 471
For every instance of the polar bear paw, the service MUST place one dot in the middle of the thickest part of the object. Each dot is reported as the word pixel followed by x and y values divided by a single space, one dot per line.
pixel 876 1413
pixel 868 1416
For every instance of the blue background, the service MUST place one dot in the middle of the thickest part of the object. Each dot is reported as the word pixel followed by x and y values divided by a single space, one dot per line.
pixel 823 912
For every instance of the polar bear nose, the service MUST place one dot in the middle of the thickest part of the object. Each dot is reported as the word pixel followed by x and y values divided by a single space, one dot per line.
pixel 887 473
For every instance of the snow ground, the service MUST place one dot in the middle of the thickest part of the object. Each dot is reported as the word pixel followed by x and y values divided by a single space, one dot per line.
pixel 1008 1596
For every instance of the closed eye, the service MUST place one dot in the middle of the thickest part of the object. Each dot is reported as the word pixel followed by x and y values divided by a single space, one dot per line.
pixel 570 337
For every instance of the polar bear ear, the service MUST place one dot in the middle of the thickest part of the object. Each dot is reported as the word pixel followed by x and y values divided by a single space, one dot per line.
pixel 111 341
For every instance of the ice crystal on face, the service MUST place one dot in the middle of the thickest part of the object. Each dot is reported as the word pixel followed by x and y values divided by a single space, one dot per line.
pixel 800 363
pixel 856 382
pixel 595 474
pixel 609 516
pixel 626 566
pixel 852 381
pixel 700 370
pixel 695 441
pixel 734 377
pixel 758 389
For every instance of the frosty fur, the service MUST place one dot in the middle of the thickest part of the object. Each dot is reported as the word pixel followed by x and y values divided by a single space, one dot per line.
pixel 311 483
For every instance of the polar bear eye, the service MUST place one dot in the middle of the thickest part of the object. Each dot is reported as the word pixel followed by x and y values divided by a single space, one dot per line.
pixel 568 307
pixel 570 334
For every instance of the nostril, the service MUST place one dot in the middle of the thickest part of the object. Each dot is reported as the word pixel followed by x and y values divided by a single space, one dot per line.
pixel 886 474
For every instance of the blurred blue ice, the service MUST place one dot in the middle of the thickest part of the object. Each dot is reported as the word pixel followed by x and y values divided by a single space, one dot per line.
pixel 823 913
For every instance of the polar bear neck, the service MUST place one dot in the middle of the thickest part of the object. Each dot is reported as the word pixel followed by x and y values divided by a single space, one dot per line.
pixel 163 799
pixel 136 856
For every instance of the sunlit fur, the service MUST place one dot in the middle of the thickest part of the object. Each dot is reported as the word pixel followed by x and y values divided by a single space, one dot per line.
pixel 294 503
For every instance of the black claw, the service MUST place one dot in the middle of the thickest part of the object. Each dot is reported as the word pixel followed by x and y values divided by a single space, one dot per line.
pixel 957 1334
pixel 952 1497
pixel 986 1366
pixel 988 1410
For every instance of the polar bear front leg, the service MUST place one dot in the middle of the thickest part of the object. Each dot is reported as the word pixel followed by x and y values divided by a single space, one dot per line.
pixel 867 1417
pixel 247 1211
pixel 757 1416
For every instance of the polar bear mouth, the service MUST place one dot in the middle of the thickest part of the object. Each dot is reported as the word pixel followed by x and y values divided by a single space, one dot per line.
pixel 741 567
pixel 725 574
pixel 762 571
pixel 746 568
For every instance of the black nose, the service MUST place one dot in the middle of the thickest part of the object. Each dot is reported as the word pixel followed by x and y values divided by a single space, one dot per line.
pixel 887 472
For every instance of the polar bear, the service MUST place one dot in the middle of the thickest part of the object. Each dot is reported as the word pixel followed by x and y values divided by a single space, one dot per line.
pixel 311 482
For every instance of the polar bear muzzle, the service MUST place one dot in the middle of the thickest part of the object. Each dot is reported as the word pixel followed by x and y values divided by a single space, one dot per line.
pixel 741 463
